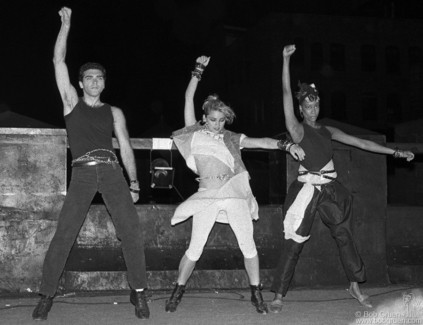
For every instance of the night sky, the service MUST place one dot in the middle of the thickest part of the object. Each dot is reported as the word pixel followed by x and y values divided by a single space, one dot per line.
pixel 148 48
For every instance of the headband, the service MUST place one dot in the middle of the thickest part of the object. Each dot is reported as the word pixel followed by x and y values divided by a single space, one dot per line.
pixel 307 91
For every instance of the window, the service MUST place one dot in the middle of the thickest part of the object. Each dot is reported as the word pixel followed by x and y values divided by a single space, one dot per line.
pixel 368 58
pixel 337 57
pixel 338 105
pixel 369 107
pixel 392 60
pixel 316 59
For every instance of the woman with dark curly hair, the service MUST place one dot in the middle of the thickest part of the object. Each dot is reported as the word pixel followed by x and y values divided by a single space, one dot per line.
pixel 224 193
pixel 316 189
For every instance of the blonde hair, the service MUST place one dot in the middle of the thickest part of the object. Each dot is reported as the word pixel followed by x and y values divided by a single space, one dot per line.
pixel 213 103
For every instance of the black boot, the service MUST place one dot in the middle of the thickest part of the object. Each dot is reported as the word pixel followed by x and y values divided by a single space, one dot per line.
pixel 43 307
pixel 257 299
pixel 139 300
pixel 175 298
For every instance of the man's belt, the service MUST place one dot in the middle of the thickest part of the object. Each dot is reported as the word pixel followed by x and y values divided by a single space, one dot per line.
pixel 88 163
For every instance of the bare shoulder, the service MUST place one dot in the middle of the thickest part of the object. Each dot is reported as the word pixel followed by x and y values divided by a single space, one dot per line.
pixel 332 129
pixel 119 125
pixel 116 110
pixel 243 139
pixel 117 114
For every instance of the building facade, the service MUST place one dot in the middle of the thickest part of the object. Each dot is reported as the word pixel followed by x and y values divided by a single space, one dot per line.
pixel 368 70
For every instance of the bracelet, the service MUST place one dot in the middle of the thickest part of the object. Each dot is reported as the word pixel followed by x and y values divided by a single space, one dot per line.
pixel 200 66
pixel 397 153
pixel 285 145
pixel 134 191
pixel 196 73
pixel 134 181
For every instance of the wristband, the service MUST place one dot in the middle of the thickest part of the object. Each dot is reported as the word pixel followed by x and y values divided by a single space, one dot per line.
pixel 285 145
pixel 397 153
pixel 196 73
pixel 200 66
pixel 134 191
pixel 288 147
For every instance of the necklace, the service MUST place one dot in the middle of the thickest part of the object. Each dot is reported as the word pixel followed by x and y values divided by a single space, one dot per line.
pixel 216 136
pixel 93 104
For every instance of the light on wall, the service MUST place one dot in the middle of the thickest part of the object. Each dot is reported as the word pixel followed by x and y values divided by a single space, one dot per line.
pixel 162 172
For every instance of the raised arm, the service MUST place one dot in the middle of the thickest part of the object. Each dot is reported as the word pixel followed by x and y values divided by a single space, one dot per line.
pixel 67 91
pixel 189 112
pixel 126 152
pixel 368 145
pixel 293 126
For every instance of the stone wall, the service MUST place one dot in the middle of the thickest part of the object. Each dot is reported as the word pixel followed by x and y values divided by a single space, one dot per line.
pixel 33 173
pixel 404 247
pixel 32 189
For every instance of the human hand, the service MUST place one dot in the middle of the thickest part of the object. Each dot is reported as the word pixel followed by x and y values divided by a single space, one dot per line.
pixel 65 14
pixel 297 152
pixel 288 51
pixel 135 197
pixel 134 189
pixel 203 60
pixel 407 155
pixel 404 154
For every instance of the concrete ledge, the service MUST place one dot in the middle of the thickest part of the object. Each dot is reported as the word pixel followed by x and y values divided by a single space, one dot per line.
pixel 96 262
pixel 33 171
pixel 97 257
pixel 404 246
pixel 160 280
pixel 404 225
pixel 406 274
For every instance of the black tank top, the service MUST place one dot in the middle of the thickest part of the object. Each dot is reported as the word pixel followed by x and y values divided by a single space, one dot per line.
pixel 317 145
pixel 89 128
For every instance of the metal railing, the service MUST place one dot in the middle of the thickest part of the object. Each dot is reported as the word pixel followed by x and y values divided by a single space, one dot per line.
pixel 147 144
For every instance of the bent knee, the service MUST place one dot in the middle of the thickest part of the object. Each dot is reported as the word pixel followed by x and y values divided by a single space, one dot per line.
pixel 249 251
pixel 194 254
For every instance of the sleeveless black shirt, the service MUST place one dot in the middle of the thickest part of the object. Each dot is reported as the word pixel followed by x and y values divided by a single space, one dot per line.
pixel 317 145
pixel 89 128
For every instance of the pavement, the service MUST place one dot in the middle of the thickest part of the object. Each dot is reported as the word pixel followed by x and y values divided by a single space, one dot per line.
pixel 393 304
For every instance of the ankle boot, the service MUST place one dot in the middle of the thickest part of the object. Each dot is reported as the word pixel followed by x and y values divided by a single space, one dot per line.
pixel 139 300
pixel 43 307
pixel 175 298
pixel 257 299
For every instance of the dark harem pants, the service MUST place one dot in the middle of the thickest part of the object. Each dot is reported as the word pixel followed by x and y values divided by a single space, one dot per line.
pixel 334 204
pixel 107 179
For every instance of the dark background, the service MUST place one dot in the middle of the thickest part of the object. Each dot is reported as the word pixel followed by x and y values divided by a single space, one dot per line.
pixel 148 48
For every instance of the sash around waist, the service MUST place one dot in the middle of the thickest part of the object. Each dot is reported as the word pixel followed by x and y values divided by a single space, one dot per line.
pixel 326 175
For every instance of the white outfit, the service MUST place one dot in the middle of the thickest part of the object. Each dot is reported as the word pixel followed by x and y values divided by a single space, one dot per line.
pixel 223 196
